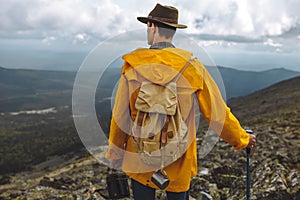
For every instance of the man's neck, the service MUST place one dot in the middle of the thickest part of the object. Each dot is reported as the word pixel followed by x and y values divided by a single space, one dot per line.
pixel 161 39
pixel 162 45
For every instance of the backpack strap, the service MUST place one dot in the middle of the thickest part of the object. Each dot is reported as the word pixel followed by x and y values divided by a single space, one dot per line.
pixel 164 131
pixel 136 134
pixel 184 67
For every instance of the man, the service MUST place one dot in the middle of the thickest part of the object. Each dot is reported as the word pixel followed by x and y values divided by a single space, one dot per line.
pixel 147 64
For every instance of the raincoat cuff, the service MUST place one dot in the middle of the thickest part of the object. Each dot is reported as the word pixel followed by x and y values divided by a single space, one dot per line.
pixel 244 141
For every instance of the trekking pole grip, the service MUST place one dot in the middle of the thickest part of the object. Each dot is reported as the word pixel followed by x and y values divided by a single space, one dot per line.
pixel 250 132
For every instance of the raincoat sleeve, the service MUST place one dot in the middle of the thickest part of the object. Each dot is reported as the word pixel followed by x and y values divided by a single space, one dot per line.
pixel 120 122
pixel 218 115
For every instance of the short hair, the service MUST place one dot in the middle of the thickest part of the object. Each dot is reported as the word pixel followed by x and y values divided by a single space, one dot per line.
pixel 165 30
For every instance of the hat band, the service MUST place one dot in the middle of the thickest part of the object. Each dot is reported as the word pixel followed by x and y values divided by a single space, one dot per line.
pixel 174 21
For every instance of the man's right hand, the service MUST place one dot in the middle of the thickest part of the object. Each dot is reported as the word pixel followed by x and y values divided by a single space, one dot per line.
pixel 252 141
pixel 251 144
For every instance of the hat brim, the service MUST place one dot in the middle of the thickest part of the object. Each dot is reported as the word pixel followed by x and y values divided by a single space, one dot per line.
pixel 146 19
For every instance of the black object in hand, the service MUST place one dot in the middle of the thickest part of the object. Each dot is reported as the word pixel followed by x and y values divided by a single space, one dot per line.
pixel 117 186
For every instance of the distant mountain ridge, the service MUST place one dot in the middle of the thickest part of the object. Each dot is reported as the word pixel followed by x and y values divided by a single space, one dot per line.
pixel 36 89
pixel 25 82
pixel 239 83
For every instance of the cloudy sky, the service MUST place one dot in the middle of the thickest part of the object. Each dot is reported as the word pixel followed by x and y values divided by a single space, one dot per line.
pixel 59 34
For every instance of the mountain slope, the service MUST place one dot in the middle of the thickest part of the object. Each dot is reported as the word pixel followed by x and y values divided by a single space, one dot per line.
pixel 276 99
pixel 274 115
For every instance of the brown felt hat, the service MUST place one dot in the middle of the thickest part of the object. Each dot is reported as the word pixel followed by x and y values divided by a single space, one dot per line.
pixel 166 15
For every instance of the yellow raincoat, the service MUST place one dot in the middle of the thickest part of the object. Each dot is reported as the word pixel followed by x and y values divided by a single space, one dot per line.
pixel 195 88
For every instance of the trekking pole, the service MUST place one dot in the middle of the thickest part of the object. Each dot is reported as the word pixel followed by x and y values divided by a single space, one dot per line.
pixel 248 169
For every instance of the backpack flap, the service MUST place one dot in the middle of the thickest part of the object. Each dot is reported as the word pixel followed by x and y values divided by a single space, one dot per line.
pixel 151 93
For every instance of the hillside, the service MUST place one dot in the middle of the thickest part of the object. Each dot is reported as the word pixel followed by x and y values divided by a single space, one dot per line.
pixel 277 99
pixel 34 89
pixel 273 113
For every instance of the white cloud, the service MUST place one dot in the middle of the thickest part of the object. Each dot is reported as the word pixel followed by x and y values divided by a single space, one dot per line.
pixel 100 18
pixel 241 17
pixel 80 38
pixel 209 43
pixel 104 18
pixel 212 43
pixel 271 43
pixel 48 40
pixel 213 24
pixel 221 26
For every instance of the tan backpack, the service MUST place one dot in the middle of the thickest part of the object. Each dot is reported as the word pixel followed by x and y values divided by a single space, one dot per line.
pixel 159 132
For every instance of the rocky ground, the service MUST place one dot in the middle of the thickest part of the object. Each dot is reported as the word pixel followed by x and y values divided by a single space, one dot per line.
pixel 274 168
pixel 222 173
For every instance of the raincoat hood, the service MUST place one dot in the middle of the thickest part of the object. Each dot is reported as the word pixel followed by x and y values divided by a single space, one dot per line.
pixel 158 66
